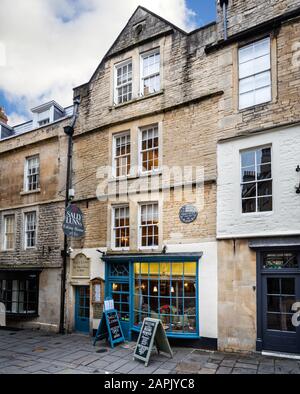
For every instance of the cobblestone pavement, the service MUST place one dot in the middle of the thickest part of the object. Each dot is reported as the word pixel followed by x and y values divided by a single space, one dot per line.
pixel 31 352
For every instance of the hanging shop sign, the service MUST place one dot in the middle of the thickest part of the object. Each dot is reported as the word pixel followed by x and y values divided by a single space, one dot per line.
pixel 73 224
pixel 188 214
pixel 110 328
pixel 152 333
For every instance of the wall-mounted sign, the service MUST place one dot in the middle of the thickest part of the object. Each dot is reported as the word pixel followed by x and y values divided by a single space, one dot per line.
pixel 73 224
pixel 188 214
pixel 81 267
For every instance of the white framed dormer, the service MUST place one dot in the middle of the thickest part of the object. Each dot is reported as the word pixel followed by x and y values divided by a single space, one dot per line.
pixel 148 225
pixel 120 227
pixel 47 113
pixel 121 155
pixel 150 72
pixel 123 82
pixel 150 149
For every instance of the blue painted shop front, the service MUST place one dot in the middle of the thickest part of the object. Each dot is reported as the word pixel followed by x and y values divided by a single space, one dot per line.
pixel 163 287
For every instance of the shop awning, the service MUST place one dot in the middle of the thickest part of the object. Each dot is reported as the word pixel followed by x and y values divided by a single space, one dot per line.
pixel 270 243
pixel 176 257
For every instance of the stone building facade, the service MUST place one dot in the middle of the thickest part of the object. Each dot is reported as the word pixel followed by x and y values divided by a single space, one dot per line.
pixel 194 107
pixel 32 179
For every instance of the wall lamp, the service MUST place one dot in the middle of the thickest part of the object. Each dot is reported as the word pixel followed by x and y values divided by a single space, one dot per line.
pixel 298 187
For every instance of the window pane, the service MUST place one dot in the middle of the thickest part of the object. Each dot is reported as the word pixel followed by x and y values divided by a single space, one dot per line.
pixel 265 188
pixel 247 100
pixel 249 206
pixel 248 174
pixel 265 204
pixel 248 159
pixel 263 95
pixel 249 190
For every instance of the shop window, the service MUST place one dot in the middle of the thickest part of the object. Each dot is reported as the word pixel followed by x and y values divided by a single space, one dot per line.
pixel 256 180
pixel 119 270
pixel 121 297
pixel 20 296
pixel 166 291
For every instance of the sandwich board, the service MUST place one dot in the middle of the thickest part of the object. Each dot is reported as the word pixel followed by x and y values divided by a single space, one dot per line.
pixel 152 333
pixel 110 328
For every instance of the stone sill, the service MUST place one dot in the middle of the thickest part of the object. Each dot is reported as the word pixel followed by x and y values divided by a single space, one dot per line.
pixel 37 191
pixel 136 100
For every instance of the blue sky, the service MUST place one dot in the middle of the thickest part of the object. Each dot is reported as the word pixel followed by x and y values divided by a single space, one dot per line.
pixel 63 41
pixel 205 10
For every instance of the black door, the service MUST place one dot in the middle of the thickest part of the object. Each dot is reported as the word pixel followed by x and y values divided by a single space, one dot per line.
pixel 280 293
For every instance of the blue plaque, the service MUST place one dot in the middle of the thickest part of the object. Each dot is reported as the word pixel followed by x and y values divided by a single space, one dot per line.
pixel 188 214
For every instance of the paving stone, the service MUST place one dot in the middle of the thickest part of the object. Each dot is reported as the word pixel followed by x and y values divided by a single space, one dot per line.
pixel 246 366
pixel 266 370
pixel 228 363
pixel 243 371
pixel 207 371
pixel 188 367
pixel 224 371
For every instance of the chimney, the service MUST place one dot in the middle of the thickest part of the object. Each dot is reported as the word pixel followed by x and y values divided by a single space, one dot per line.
pixel 3 117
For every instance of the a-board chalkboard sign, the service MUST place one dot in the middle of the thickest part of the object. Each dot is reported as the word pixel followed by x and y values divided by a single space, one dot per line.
pixel 110 328
pixel 152 333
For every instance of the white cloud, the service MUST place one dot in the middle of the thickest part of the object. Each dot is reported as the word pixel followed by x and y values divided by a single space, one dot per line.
pixel 55 45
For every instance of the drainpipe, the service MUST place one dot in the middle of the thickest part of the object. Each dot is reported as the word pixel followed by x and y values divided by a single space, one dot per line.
pixel 224 6
pixel 69 131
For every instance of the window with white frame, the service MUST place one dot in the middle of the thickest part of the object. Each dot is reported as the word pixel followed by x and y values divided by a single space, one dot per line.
pixel 149 225
pixel 9 232
pixel 123 82
pixel 256 180
pixel 255 74
pixel 149 155
pixel 44 122
pixel 30 230
pixel 32 175
pixel 122 151
pixel 121 227
pixel 150 73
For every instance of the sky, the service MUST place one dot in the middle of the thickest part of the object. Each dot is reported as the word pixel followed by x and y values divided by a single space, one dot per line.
pixel 47 47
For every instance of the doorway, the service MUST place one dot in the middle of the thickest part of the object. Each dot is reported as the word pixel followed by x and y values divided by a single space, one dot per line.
pixel 82 309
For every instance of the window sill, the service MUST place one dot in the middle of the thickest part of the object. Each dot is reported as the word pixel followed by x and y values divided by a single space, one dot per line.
pixel 22 316
pixel 136 176
pixel 30 192
pixel 138 99
pixel 257 107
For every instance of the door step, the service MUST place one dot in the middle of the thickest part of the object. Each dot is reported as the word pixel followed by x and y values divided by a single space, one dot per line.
pixel 281 355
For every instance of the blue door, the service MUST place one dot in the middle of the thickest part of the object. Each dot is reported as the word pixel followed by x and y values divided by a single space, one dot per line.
pixel 82 309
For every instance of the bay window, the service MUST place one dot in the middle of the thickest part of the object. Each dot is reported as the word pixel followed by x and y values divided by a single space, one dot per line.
pixel 167 291
pixel 20 294
pixel 255 74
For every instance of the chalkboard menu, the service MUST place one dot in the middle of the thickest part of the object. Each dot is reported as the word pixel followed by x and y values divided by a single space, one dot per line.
pixel 144 342
pixel 152 332
pixel 110 328
pixel 114 325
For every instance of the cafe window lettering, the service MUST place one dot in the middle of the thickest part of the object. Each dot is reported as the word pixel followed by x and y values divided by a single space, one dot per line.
pixel 167 291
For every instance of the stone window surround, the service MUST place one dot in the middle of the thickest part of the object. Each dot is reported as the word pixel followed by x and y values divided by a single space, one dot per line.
pixel 134 216
pixel 135 140
pixel 2 235
pixel 274 72
pixel 135 56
